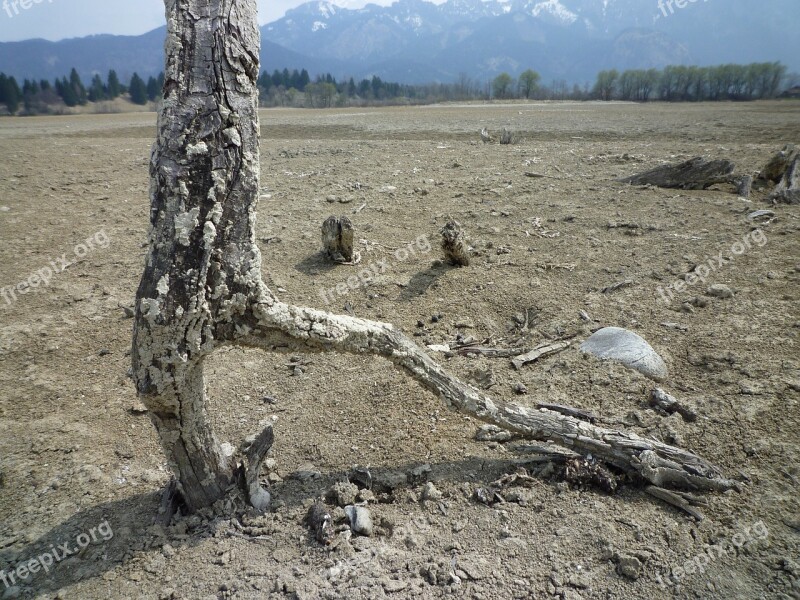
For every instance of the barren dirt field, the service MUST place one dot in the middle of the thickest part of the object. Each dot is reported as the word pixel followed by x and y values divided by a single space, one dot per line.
pixel 81 469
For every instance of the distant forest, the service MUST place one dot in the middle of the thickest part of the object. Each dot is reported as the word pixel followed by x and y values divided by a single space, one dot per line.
pixel 297 89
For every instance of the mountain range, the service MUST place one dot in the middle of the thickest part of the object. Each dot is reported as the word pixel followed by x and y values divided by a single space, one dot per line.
pixel 413 41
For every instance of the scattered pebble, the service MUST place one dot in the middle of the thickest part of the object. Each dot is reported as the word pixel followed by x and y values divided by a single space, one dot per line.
pixel 720 290
pixel 630 567
pixel 343 493
pixel 429 492
pixel 360 520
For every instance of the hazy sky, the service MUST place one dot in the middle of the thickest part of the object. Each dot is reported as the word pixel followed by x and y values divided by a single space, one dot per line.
pixel 59 19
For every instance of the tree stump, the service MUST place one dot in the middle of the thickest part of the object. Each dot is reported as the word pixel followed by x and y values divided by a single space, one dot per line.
pixel 788 189
pixel 695 174
pixel 454 244
pixel 744 186
pixel 779 164
pixel 337 239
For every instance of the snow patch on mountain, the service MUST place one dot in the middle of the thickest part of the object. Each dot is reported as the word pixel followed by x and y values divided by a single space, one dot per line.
pixel 555 9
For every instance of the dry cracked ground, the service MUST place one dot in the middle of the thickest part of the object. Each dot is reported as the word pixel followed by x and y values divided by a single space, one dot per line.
pixel 552 233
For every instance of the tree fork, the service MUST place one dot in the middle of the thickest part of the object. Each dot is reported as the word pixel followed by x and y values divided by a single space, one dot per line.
pixel 202 286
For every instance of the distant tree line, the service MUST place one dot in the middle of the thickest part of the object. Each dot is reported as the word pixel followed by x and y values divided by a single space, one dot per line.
pixel 43 97
pixel 297 88
pixel 756 81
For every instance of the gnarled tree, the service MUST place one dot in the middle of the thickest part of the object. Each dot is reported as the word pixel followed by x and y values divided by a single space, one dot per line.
pixel 202 284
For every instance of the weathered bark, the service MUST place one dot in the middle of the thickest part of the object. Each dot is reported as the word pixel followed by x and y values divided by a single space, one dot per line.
pixel 203 270
pixel 694 174
pixel 202 283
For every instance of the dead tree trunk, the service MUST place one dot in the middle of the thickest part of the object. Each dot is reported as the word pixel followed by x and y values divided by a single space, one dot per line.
pixel 203 271
pixel 202 285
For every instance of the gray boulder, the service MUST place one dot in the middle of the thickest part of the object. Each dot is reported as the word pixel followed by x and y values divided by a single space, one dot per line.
pixel 623 346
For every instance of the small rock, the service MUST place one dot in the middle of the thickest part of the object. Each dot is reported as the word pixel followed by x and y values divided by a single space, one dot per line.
pixel 492 433
pixel 389 480
pixel 360 520
pixel 429 492
pixel 420 473
pixel 465 324
pixel 720 290
pixel 627 348
pixel 331 198
pixel 343 493
pixel 630 567
pixel 759 214
pixel 391 586
pixel 439 348
pixel 519 388
pixel 306 472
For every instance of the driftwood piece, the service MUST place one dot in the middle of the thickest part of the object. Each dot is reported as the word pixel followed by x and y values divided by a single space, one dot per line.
pixel 454 244
pixel 337 239
pixel 291 328
pixel 539 352
pixel 695 174
pixel 677 499
pixel 788 189
pixel 202 285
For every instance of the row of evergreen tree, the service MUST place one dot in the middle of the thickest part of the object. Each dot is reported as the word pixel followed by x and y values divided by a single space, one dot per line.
pixel 37 96
pixel 297 88
pixel 285 87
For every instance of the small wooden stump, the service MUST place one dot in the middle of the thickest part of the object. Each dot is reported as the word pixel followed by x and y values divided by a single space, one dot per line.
pixel 337 239
pixel 779 164
pixel 788 189
pixel 695 174
pixel 454 244
pixel 744 186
